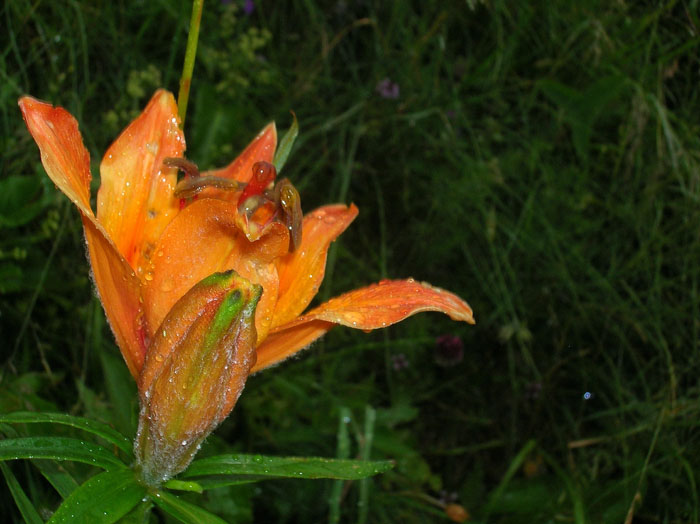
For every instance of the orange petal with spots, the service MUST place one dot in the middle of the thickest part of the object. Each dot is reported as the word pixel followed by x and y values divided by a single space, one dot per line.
pixel 67 162
pixel 135 201
pixel 372 307
pixel 302 271
pixel 119 290
pixel 287 340
pixel 204 239
pixel 63 154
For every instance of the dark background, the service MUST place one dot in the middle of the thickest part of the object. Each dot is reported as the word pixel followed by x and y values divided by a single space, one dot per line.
pixel 540 159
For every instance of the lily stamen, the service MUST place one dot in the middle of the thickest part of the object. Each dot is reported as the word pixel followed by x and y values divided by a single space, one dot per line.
pixel 193 182
pixel 189 168
pixel 254 194
pixel 288 200
pixel 189 187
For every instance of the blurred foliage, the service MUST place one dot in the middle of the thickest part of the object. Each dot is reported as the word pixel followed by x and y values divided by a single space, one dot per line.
pixel 541 160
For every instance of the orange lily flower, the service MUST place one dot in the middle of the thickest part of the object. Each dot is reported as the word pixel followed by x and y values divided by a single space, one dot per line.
pixel 148 248
pixel 146 252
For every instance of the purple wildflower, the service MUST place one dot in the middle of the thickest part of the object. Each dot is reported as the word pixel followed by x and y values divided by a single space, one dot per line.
pixel 248 7
pixel 388 89
pixel 533 390
pixel 449 350
pixel 399 362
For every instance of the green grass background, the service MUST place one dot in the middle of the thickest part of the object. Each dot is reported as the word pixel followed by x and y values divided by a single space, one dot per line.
pixel 541 161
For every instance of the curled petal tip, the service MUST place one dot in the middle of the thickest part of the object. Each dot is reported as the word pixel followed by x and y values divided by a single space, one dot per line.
pixel 376 306
pixel 63 154
pixel 388 302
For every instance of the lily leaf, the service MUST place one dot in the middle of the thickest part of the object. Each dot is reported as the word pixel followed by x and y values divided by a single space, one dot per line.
pixel 184 511
pixel 286 144
pixel 58 448
pixel 92 426
pixel 26 508
pixel 184 485
pixel 58 477
pixel 139 514
pixel 261 467
pixel 103 499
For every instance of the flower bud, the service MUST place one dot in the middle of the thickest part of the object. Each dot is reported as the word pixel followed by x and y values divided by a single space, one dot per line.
pixel 195 369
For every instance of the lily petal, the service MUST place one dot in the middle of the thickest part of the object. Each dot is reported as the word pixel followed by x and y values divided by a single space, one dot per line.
pixel 287 340
pixel 135 201
pixel 301 272
pixel 63 154
pixel 372 307
pixel 68 164
pixel 261 148
pixel 119 291
pixel 204 239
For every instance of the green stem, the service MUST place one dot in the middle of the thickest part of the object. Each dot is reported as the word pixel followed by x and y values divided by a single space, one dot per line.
pixel 190 55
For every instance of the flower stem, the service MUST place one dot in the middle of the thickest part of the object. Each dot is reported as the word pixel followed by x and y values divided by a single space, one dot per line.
pixel 190 55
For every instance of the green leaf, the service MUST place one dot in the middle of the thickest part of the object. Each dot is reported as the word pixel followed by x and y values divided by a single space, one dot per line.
pixel 139 515
pixel 184 485
pixel 92 426
pixel 286 467
pixel 103 499
pixel 21 200
pixel 224 482
pixel 343 452
pixel 26 508
pixel 56 474
pixel 515 465
pixel 58 448
pixel 120 387
pixel 10 278
pixel 286 144
pixel 184 511
pixel 367 440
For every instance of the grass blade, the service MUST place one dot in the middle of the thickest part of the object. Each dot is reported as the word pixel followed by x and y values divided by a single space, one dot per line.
pixel 92 426
pixel 26 508
pixel 58 448
pixel 103 499
pixel 184 511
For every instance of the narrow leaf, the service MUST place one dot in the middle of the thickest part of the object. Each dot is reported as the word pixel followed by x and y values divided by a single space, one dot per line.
pixel 184 485
pixel 286 144
pixel 58 448
pixel 26 508
pixel 103 499
pixel 286 467
pixel 224 482
pixel 514 467
pixel 363 502
pixel 120 388
pixel 184 511
pixel 92 426
pixel 141 514
pixel 343 452
pixel 56 474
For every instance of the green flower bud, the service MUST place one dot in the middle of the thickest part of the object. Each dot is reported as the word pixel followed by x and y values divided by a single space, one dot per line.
pixel 195 369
